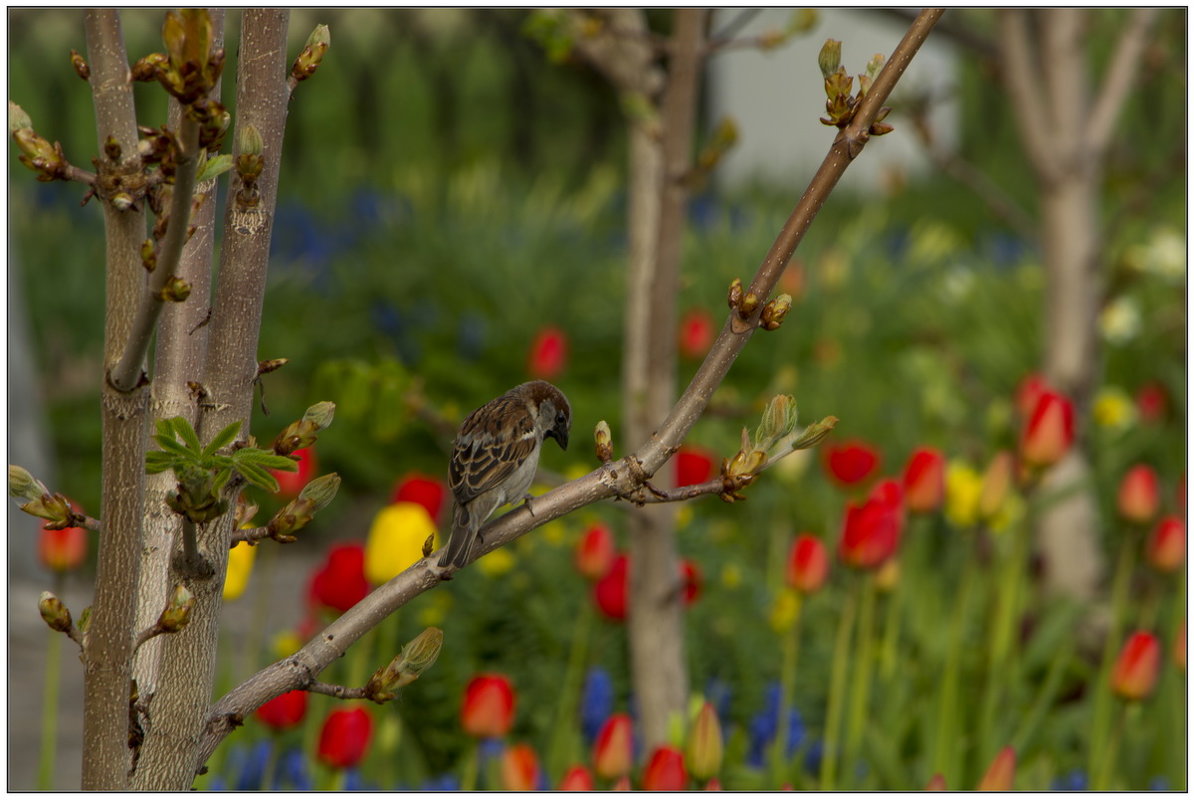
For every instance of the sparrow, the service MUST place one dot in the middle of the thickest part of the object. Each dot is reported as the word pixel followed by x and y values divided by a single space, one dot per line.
pixel 495 455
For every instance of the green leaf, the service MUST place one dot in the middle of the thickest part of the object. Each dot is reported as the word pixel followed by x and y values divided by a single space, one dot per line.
pixel 214 167
pixel 178 450
pixel 257 476
pixel 156 461
pixel 164 428
pixel 221 478
pixel 184 431
pixel 221 440
pixel 264 458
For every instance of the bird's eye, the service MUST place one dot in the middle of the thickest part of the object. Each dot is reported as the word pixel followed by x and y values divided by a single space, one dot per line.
pixel 560 418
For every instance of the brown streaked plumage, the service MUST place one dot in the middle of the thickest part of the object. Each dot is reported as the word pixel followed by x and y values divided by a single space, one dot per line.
pixel 495 456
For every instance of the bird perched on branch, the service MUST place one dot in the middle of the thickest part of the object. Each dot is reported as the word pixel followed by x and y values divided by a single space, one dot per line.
pixel 495 456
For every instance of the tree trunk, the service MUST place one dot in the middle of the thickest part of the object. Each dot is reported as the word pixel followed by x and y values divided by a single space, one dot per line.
pixel 108 657
pixel 179 710
pixel 657 210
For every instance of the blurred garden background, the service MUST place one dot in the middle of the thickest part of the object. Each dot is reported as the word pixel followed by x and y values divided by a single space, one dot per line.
pixel 452 221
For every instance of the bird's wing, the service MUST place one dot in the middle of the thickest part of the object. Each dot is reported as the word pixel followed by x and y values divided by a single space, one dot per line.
pixel 488 450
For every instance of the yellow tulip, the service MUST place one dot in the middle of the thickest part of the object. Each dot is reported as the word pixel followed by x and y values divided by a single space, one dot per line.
pixel 396 540
pixel 499 562
pixel 240 565
pixel 785 610
pixel 963 488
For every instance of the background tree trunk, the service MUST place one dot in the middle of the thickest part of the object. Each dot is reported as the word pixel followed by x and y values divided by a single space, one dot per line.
pixel 657 211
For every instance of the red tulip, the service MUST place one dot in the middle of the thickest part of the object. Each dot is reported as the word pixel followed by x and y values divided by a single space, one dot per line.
pixel 1135 672
pixel 613 751
pixel 1166 548
pixel 284 711
pixel 691 575
pixel 924 480
pixel 340 583
pixel 345 737
pixel 871 531
pixel 488 709
pixel 610 590
pixel 422 489
pixel 1049 431
pixel 693 465
pixel 851 462
pixel 1001 773
pixel 520 768
pixel 665 771
pixel 595 551
pixel 936 783
pixel 1029 391
pixel 622 784
pixel 577 779
pixel 696 333
pixel 291 483
pixel 62 550
pixel 714 785
pixel 807 564
pixel 1152 402
pixel 549 353
pixel 1139 495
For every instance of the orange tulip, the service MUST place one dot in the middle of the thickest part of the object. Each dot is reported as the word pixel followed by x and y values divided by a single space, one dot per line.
pixel 1136 669
pixel 520 768
pixel 1166 546
pixel 1049 431
pixel 807 564
pixel 488 709
pixel 1001 774
pixel 1139 497
pixel 924 480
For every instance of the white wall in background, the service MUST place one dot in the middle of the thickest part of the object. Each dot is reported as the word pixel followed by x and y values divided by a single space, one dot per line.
pixel 777 96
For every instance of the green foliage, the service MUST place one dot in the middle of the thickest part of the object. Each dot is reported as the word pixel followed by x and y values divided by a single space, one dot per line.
pixel 205 466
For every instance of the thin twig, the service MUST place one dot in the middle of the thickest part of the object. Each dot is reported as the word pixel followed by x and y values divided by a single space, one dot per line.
pixel 295 671
pixel 144 636
pixel 1125 63
pixel 1021 76
pixel 127 372
pixel 250 535
pixel 335 690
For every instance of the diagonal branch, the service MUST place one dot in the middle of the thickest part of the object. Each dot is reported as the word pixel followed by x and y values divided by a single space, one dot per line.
pixel 127 372
pixel 1020 77
pixel 616 478
pixel 1125 63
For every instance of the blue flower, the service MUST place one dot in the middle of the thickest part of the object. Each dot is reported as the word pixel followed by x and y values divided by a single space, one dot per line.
pixel 491 747
pixel 249 765
pixel 1073 781
pixel 765 725
pixel 812 756
pixel 292 772
pixel 596 702
pixel 1159 783
pixel 354 782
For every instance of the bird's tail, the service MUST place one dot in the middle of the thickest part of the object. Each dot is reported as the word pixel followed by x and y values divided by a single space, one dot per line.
pixel 460 543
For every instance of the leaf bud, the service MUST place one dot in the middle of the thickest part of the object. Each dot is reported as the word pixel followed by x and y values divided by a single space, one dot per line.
pixel 321 491
pixel 17 118
pixel 176 290
pixel 149 256
pixel 779 420
pixel 177 612
pixel 248 141
pixel 830 57
pixel 321 414
pixel 309 60
pixel 122 201
pixel 775 311
pixel 734 297
pixel 146 69
pixel 405 668
pixel 814 433
pixel 605 442
pixel 21 483
pixel 54 612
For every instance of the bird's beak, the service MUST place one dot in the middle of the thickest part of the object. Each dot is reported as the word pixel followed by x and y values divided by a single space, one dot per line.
pixel 560 436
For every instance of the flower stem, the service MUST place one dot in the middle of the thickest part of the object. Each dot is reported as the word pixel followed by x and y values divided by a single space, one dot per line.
pixel 861 691
pixel 570 691
pixel 1002 637
pixel 945 745
pixel 837 685
pixel 49 713
pixel 787 689
pixel 1101 715
pixel 1102 778
pixel 468 781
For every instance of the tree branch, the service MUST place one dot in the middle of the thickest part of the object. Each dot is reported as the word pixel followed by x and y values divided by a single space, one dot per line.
pixel 127 372
pixel 604 482
pixel 1121 74
pixel 109 641
pixel 1022 76
pixel 337 691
